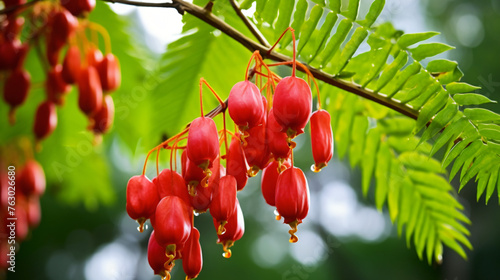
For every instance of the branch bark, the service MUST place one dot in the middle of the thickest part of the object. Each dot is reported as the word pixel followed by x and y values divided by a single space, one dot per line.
pixel 210 18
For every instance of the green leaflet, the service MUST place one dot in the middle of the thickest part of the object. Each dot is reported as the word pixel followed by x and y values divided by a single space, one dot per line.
pixel 479 115
pixel 246 4
pixel 261 4
pixel 334 5
pixel 483 179
pixel 405 203
pixel 271 11
pixel 418 87
pixel 284 17
pixel 350 48
pixel 373 13
pixel 492 183
pixel 319 2
pixel 441 65
pixel 333 45
pixel 397 126
pixel 395 182
pixel 453 88
pixel 471 98
pixel 307 29
pixel 369 157
pixel 481 163
pixel 430 108
pixel 298 19
pixel 324 34
pixel 450 132
pixel 409 39
pixel 344 124
pixel 467 154
pixel 449 77
pixel 429 179
pixel 491 131
pixel 400 79
pixel 358 136
pixel 391 70
pixel 352 10
pixel 440 120
pixel 418 161
pixel 382 174
pixel 377 64
pixel 428 50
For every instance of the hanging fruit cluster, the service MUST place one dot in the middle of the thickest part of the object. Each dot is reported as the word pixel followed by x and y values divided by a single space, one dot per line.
pixel 20 189
pixel 267 114
pixel 58 31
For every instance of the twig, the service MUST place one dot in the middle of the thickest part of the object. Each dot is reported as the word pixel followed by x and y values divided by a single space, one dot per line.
pixel 22 6
pixel 251 45
pixel 249 24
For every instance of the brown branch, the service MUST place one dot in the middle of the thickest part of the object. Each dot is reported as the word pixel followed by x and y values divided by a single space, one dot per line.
pixel 251 45
pixel 249 24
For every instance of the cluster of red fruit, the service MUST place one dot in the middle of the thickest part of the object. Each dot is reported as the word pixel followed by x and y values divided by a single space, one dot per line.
pixel 20 193
pixel 63 26
pixel 262 140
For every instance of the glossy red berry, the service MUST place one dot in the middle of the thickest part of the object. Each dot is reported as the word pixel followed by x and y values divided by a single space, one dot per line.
pixel 156 256
pixel 34 211
pixel 45 120
pixel 245 105
pixel 202 195
pixel 236 163
pixel 55 86
pixel 94 57
pixel 62 26
pixel 321 139
pixel 12 54
pixel 270 178
pixel 192 174
pixel 78 7
pixel 235 229
pixel 171 183
pixel 292 198
pixel 257 150
pixel 15 89
pixel 109 72
pixel 203 142
pixel 292 105
pixel 12 3
pixel 13 28
pixel 71 65
pixel 89 91
pixel 192 258
pixel 32 179
pixel 173 224
pixel 223 204
pixel 103 119
pixel 142 198
pixel 276 139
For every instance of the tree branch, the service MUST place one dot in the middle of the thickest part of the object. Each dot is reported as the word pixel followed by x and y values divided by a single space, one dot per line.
pixel 249 24
pixel 22 6
pixel 251 45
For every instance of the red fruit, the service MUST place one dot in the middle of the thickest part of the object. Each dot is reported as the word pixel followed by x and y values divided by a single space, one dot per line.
pixel 173 224
pixel 22 225
pixel 12 54
pixel 78 7
pixel 321 139
pixel 12 3
pixel 16 88
pixel 71 65
pixel 292 105
pixel 62 25
pixel 203 194
pixel 270 178
pixel 13 28
pixel 103 119
pixel 235 229
pixel 142 198
pixel 292 198
pixel 156 256
pixel 192 258
pixel 236 163
pixel 223 204
pixel 32 179
pixel 45 120
pixel 171 183
pixel 277 140
pixel 94 57
pixel 55 86
pixel 245 105
pixel 203 142
pixel 89 91
pixel 257 151
pixel 109 72
pixel 34 212
pixel 191 173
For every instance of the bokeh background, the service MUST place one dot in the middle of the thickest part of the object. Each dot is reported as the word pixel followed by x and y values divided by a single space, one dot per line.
pixel 85 232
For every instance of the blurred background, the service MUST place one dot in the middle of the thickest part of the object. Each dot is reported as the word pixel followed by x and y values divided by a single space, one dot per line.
pixel 85 232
